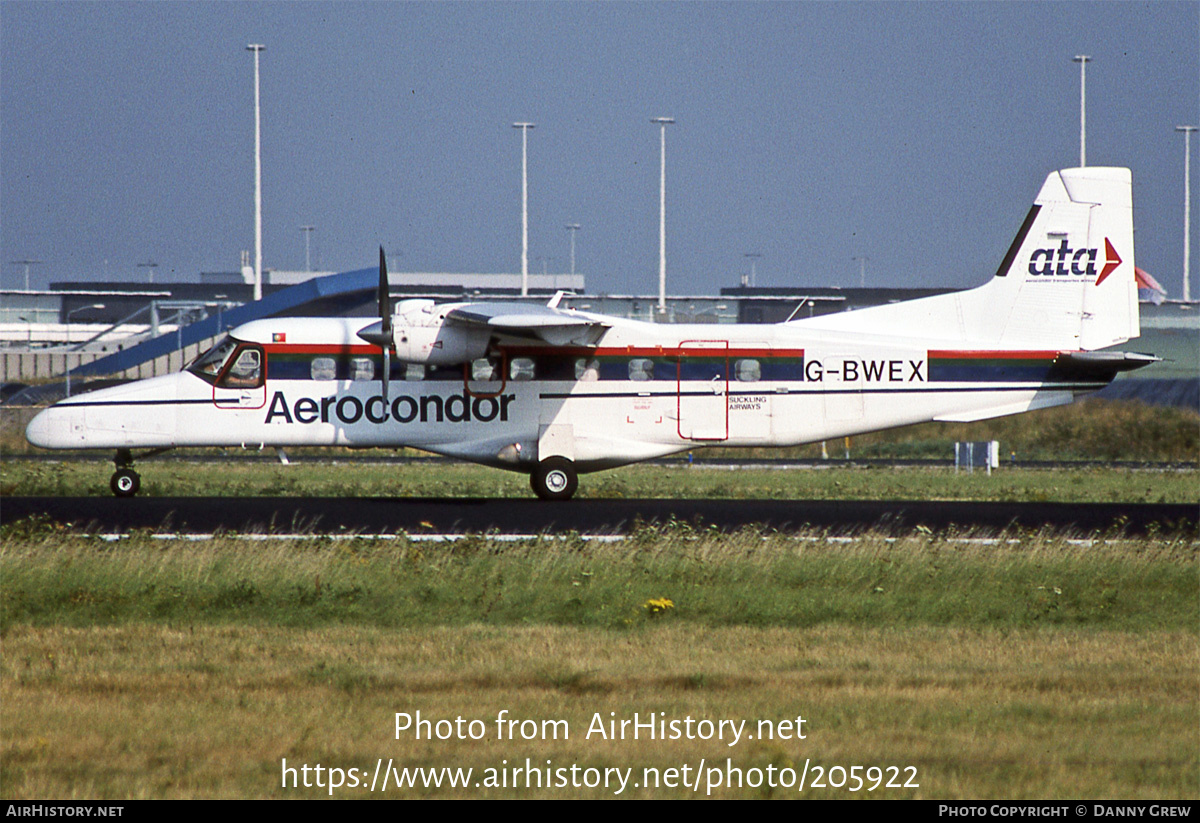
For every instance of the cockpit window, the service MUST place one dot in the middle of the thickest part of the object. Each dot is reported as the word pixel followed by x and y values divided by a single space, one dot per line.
pixel 231 364
pixel 246 372
pixel 209 364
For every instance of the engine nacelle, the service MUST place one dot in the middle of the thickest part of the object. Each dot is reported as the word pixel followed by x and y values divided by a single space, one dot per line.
pixel 440 345
pixel 419 334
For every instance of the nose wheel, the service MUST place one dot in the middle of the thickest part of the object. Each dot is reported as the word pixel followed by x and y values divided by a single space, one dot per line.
pixel 554 479
pixel 125 481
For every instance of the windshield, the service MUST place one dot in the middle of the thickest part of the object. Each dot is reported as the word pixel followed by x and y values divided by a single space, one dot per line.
pixel 209 364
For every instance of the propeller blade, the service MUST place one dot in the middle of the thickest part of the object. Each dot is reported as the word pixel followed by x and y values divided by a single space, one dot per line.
pixel 386 339
pixel 387 373
pixel 385 299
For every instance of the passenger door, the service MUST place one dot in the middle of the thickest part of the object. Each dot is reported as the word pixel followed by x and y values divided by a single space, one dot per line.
pixel 703 389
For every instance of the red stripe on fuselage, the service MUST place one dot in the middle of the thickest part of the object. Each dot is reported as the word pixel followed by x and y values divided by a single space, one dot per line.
pixel 318 348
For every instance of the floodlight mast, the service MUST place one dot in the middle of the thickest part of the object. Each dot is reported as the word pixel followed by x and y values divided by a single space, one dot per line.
pixel 1187 209
pixel 26 264
pixel 862 269
pixel 753 257
pixel 572 228
pixel 1082 60
pixel 256 48
pixel 524 127
pixel 67 362
pixel 663 122
pixel 307 230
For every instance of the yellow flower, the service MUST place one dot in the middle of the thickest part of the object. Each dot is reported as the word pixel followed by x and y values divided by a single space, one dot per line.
pixel 658 606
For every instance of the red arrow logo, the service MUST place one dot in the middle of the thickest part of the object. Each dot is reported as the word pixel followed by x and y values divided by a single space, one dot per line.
pixel 1113 260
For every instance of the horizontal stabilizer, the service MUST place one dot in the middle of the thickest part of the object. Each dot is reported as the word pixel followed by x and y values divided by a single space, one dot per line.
pixel 1107 360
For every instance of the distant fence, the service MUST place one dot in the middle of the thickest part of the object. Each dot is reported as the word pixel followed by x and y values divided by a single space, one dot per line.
pixel 50 364
pixel 21 366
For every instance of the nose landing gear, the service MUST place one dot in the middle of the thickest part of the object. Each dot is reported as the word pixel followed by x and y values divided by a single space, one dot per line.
pixel 125 481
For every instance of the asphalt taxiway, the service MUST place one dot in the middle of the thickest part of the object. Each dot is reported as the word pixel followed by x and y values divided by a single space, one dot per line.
pixel 389 515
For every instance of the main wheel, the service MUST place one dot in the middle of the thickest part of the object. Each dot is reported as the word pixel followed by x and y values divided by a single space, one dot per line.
pixel 554 479
pixel 125 482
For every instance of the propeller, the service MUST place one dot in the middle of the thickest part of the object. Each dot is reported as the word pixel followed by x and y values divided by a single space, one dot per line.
pixel 381 333
pixel 385 315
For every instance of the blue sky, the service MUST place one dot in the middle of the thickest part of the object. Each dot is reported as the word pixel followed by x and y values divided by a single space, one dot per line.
pixel 915 134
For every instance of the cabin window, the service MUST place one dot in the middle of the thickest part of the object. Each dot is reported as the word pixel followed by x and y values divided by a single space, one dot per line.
pixel 323 368
pixel 747 371
pixel 641 368
pixel 362 368
pixel 246 372
pixel 587 369
pixel 520 368
pixel 484 370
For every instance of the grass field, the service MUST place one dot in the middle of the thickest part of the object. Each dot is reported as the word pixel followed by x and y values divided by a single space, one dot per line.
pixel 949 665
pixel 170 478
pixel 1029 667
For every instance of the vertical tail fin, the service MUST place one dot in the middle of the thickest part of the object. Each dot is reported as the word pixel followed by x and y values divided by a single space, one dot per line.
pixel 1067 282
pixel 1069 279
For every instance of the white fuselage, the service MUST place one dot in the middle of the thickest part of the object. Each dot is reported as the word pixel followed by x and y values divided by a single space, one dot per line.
pixel 644 391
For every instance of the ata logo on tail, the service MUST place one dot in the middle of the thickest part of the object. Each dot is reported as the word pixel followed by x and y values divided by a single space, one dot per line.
pixel 1065 261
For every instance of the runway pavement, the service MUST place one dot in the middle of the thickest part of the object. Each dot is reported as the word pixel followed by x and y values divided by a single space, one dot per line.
pixel 387 515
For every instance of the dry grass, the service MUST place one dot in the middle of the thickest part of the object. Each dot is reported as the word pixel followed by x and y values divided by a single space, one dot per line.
pixel 204 711
pixel 1037 668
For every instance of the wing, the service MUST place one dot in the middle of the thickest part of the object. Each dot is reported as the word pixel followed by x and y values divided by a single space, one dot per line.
pixel 557 327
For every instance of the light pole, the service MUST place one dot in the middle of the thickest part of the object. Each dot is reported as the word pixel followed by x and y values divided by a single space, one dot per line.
pixel 257 48
pixel 572 228
pixel 1082 60
pixel 96 306
pixel 26 264
pixel 151 265
pixel 862 270
pixel 752 256
pixel 1187 209
pixel 67 356
pixel 524 127
pixel 663 122
pixel 308 230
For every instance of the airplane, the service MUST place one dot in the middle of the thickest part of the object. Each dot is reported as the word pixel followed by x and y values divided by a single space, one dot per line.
pixel 556 392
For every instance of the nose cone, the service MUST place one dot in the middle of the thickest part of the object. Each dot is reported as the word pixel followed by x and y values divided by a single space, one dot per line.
pixel 131 415
pixel 38 432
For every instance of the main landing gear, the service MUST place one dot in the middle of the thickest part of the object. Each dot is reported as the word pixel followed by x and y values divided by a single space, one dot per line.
pixel 554 479
pixel 125 481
